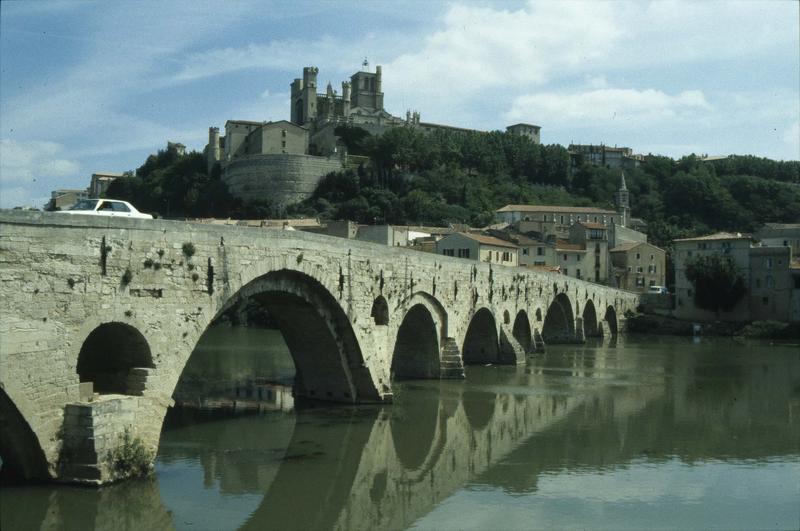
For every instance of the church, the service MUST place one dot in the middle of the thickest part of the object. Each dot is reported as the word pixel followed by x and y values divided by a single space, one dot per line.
pixel 283 161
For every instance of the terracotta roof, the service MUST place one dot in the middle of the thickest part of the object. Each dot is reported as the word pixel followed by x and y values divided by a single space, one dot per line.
pixel 555 208
pixel 717 236
pixel 561 245
pixel 487 240
pixel 627 246
pixel 592 225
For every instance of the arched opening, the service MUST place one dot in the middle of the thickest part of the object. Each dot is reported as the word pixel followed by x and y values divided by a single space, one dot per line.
pixel 328 364
pixel 416 350
pixel 109 357
pixel 21 454
pixel 522 331
pixel 380 311
pixel 481 343
pixel 611 319
pixel 506 317
pixel 559 322
pixel 539 315
pixel 590 320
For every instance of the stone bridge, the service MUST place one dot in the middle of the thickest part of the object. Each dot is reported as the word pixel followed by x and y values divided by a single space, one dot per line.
pixel 100 315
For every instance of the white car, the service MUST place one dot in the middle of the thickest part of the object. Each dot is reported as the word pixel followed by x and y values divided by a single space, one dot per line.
pixel 106 207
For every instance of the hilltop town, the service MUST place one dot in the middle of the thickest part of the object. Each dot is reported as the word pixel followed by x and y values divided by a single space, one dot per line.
pixel 342 165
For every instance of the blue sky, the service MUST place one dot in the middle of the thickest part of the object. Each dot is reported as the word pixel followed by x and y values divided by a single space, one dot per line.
pixel 97 86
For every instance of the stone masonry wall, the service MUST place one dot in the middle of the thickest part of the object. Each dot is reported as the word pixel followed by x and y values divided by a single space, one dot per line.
pixel 63 276
pixel 282 179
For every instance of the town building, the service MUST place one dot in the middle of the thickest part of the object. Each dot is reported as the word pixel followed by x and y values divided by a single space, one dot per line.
pixel 478 247
pixel 772 280
pixel 780 235
pixel 635 266
pixel 615 158
pixel 63 199
pixel 100 183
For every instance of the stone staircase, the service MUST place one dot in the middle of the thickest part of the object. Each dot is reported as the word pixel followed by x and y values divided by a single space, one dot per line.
pixel 452 365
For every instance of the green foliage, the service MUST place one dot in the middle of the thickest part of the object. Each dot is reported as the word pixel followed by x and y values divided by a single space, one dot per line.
pixel 717 283
pixel 127 276
pixel 130 458
pixel 177 186
pixel 771 330
pixel 188 249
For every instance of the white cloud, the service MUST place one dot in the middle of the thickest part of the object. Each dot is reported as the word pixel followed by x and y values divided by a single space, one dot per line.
pixel 608 105
pixel 29 161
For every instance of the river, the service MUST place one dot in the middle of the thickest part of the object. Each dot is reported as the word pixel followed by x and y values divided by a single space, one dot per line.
pixel 645 434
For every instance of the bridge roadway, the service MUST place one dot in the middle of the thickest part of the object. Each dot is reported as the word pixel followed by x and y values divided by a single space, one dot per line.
pixel 121 303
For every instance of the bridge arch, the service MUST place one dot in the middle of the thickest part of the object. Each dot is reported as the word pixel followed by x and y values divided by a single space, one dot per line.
pixel 589 320
pixel 416 349
pixel 522 331
pixel 481 342
pixel 380 311
pixel 329 364
pixel 20 450
pixel 611 318
pixel 108 356
pixel 559 322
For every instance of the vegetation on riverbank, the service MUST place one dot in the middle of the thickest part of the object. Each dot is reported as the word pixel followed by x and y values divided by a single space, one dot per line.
pixel 444 177
pixel 663 325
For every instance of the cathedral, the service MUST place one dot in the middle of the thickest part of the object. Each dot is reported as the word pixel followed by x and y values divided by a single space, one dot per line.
pixel 283 161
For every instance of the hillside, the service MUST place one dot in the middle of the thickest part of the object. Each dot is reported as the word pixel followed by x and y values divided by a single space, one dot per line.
pixel 441 178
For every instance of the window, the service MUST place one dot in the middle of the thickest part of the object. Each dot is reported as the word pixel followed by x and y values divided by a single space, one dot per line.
pixel 578 273
pixel 651 257
pixel 651 269
pixel 524 251
pixel 595 219
pixel 596 234
pixel 540 251
pixel 562 220
pixel 629 269
pixel 765 300
pixel 283 143
pixel 770 281
pixel 702 245
pixel 506 256
pixel 786 243
pixel 120 207
pixel 726 247
pixel 566 271
pixel 769 263
pixel 652 282
pixel 640 282
pixel 565 257
pixel 639 269
pixel 283 133
pixel 448 252
pixel 497 256
pixel 638 256
pixel 463 253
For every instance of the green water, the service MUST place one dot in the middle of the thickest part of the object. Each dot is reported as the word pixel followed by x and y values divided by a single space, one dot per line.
pixel 652 433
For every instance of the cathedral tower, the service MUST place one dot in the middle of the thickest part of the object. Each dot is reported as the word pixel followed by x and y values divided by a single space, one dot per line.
pixel 304 97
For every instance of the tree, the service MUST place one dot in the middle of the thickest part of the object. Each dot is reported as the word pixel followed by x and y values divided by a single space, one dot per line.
pixel 717 283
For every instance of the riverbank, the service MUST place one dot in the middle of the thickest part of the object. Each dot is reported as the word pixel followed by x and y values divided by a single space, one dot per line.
pixel 662 325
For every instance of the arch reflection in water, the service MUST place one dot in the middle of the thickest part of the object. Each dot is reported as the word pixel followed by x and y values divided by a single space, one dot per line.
pixel 569 413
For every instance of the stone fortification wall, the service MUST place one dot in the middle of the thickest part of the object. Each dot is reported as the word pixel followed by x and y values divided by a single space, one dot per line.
pixel 281 179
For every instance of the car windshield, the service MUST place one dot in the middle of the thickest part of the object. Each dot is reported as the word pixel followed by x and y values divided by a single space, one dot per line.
pixel 84 204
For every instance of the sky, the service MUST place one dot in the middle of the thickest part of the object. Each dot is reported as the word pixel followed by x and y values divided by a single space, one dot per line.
pixel 91 87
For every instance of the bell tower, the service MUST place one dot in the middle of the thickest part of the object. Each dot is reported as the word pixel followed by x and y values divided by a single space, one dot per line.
pixel 623 201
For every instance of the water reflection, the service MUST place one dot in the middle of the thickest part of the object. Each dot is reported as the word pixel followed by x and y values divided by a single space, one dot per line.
pixel 578 425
